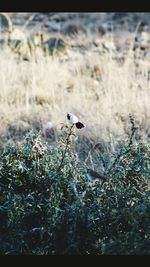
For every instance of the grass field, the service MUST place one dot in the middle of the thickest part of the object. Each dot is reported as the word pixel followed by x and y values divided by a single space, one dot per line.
pixel 91 84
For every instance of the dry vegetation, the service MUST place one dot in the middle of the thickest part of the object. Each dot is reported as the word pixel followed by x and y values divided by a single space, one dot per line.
pixel 102 78
pixel 87 80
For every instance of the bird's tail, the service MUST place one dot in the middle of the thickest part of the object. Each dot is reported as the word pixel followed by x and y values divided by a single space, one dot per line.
pixel 79 125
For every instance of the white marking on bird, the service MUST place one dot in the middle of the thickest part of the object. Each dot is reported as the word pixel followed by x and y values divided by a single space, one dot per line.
pixel 73 119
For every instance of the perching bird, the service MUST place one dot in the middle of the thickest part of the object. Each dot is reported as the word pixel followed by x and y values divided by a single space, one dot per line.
pixel 74 120
pixel 93 175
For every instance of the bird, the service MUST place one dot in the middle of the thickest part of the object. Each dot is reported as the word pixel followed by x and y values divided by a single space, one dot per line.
pixel 75 121
pixel 93 175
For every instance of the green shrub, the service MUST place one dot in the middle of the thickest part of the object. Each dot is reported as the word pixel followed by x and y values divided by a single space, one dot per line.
pixel 47 205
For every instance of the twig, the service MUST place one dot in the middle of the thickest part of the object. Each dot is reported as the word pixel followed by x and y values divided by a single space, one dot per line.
pixel 128 147
pixel 67 144
pixel 29 19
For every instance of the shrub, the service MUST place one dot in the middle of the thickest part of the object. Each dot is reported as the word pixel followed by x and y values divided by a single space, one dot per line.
pixel 47 205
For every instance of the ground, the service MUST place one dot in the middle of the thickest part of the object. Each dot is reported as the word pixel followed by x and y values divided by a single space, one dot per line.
pixel 102 76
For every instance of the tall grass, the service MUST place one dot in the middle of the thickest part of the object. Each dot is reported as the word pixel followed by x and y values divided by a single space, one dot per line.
pixel 90 82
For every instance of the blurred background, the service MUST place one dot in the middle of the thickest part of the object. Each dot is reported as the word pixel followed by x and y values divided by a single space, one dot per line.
pixel 95 65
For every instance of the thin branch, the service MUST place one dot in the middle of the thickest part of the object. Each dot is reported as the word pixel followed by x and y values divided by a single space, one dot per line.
pixel 65 151
pixel 128 147
pixel 29 19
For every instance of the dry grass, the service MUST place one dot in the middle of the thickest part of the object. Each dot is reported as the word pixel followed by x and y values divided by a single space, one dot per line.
pixel 87 82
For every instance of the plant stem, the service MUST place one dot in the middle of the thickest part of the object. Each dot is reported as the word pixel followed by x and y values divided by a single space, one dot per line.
pixel 128 147
pixel 65 151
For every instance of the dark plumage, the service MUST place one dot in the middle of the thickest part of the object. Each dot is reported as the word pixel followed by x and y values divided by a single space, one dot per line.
pixel 79 125
pixel 95 176
pixel 74 120
pixel 92 175
pixel 68 116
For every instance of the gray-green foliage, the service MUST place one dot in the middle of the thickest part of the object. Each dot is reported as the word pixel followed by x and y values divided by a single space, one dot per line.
pixel 5 23
pixel 47 205
pixel 55 46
